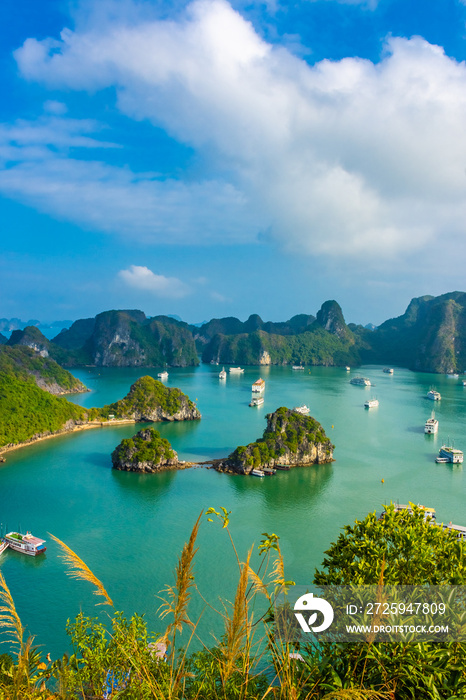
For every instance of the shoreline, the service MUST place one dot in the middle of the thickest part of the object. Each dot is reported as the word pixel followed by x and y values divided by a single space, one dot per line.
pixel 76 429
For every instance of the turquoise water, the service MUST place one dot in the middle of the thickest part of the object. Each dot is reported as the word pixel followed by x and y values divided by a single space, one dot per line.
pixel 130 528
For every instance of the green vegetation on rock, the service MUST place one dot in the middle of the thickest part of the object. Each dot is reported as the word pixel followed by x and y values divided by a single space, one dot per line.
pixel 149 399
pixel 24 362
pixel 289 438
pixel 27 411
pixel 28 406
pixel 128 339
pixel 429 337
pixel 326 340
pixel 146 451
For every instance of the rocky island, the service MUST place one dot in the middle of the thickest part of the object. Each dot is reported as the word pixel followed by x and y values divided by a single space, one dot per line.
pixel 290 438
pixel 145 452
pixel 149 400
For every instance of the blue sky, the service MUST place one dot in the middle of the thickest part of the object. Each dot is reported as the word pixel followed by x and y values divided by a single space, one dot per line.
pixel 210 159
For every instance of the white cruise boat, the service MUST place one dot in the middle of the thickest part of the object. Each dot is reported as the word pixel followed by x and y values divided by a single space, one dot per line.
pixel 431 425
pixel 27 544
pixel 449 454
pixel 433 395
pixel 256 401
pixel 428 512
pixel 162 375
pixel 236 370
pixel 257 472
pixel 360 381
pixel 297 367
pixel 371 403
pixel 222 374
pixel 452 375
pixel 348 369
pixel 388 370
pixel 258 386
pixel 458 530
pixel 304 410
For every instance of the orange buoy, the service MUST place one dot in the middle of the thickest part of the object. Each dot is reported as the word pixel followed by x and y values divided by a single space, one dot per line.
pixel 383 481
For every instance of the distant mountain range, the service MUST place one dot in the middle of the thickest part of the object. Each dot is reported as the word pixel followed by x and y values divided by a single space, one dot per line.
pixel 14 324
pixel 430 336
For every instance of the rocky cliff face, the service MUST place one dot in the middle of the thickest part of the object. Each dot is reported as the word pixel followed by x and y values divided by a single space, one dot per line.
pixel 429 337
pixel 330 317
pixel 25 359
pixel 289 438
pixel 145 452
pixel 32 338
pixel 129 339
pixel 326 340
pixel 149 400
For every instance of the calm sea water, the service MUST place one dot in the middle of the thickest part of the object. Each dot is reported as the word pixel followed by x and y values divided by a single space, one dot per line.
pixel 130 528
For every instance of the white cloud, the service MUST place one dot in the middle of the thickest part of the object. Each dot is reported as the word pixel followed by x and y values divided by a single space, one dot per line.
pixel 216 296
pixel 369 4
pixel 36 169
pixel 339 158
pixel 55 107
pixel 141 278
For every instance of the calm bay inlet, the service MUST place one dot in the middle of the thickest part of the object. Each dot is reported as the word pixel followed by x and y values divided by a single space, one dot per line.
pixel 129 528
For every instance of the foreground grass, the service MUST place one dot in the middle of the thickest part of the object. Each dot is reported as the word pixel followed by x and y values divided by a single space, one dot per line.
pixel 250 661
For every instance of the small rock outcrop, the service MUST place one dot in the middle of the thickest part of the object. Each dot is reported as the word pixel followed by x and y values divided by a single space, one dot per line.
pixel 145 452
pixel 290 438
pixel 149 400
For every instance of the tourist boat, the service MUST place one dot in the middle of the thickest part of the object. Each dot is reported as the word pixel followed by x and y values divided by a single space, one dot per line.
pixel 162 375
pixel 222 374
pixel 428 512
pixel 3 545
pixel 256 401
pixel 27 544
pixel 348 369
pixel 360 381
pixel 464 382
pixel 449 454
pixel 452 375
pixel 431 425
pixel 258 386
pixel 388 370
pixel 304 410
pixel 236 370
pixel 433 395
pixel 268 471
pixel 283 467
pixel 297 367
pixel 371 403
pixel 458 530
pixel 257 472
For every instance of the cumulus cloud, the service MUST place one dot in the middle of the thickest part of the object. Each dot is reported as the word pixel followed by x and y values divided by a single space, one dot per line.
pixel 340 158
pixel 141 278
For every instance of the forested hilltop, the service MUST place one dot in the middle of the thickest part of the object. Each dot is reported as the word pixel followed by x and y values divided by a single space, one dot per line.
pixel 430 337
